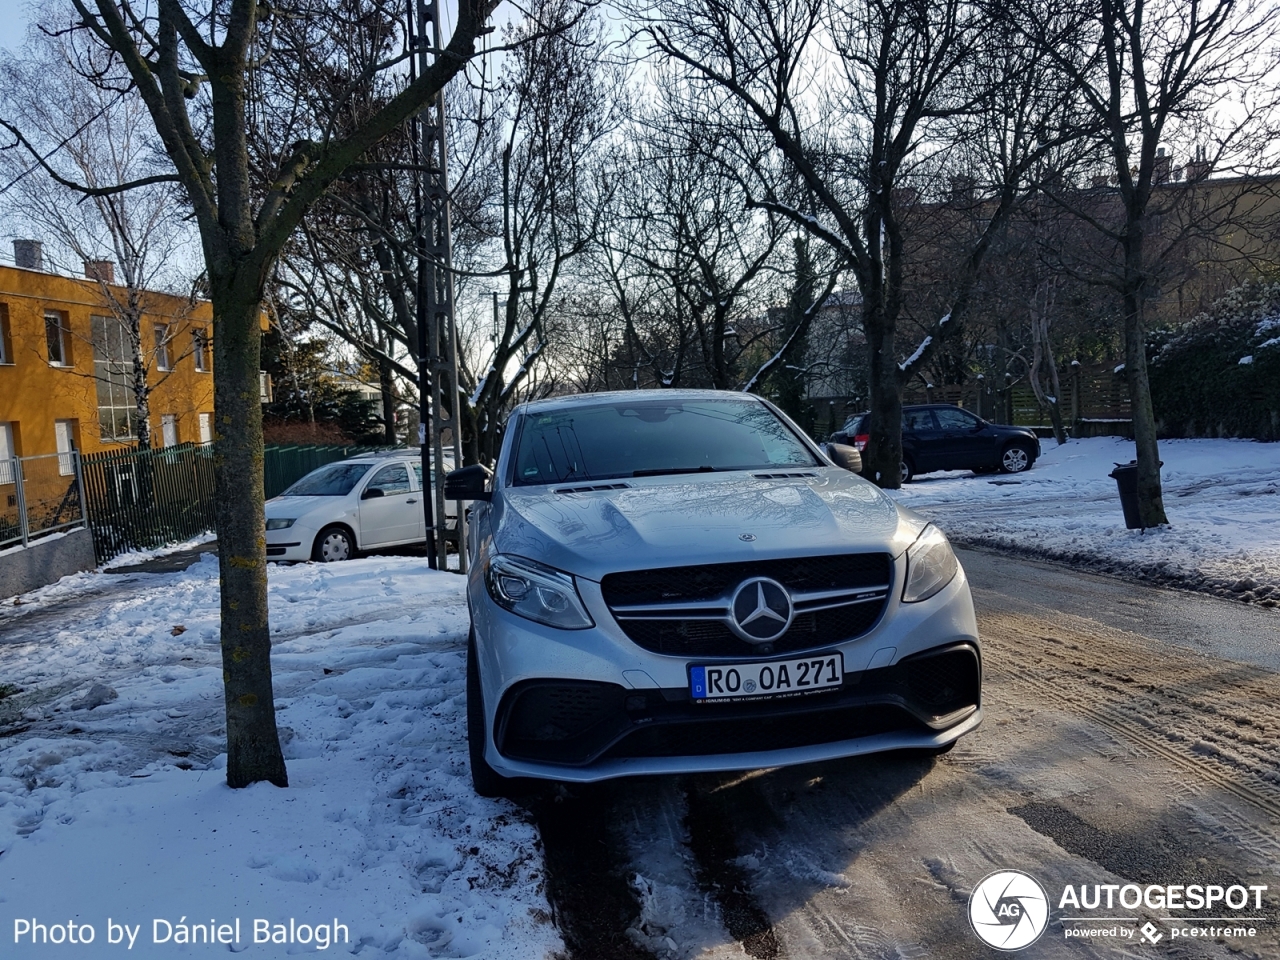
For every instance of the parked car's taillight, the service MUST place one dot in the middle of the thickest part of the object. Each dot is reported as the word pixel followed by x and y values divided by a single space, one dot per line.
pixel 860 441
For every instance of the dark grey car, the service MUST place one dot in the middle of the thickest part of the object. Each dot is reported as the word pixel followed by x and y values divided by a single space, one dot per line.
pixel 939 436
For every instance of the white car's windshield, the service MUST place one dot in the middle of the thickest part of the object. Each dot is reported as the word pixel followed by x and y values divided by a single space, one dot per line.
pixel 653 437
pixel 334 480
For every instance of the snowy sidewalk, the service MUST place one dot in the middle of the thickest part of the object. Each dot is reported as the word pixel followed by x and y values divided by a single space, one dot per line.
pixel 113 802
pixel 1222 498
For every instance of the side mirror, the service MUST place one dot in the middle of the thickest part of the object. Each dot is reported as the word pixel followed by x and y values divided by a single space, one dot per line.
pixel 371 492
pixel 843 455
pixel 838 437
pixel 469 483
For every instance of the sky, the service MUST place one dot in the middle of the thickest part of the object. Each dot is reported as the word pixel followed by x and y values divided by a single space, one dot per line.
pixel 14 15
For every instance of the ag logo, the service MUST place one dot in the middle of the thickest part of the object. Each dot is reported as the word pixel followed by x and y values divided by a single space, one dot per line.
pixel 1008 910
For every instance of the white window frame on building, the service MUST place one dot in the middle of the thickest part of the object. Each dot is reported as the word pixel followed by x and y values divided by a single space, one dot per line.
pixel 169 429
pixel 64 433
pixel 8 454
pixel 113 374
pixel 6 345
pixel 55 338
pixel 164 336
pixel 200 349
pixel 206 427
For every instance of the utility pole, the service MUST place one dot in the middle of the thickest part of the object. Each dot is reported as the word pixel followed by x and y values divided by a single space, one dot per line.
pixel 437 327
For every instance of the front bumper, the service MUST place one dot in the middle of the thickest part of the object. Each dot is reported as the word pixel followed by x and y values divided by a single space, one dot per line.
pixel 590 705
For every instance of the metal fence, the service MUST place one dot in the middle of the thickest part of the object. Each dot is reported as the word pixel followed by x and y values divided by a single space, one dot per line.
pixel 39 496
pixel 143 499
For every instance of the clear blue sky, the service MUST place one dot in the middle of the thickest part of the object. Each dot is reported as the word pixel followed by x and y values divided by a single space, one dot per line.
pixel 13 22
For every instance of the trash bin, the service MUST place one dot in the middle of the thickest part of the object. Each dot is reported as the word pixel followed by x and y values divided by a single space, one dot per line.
pixel 1126 477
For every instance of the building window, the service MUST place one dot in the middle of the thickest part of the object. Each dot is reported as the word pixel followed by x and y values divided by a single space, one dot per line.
pixel 169 430
pixel 6 345
pixel 7 453
pixel 55 335
pixel 113 371
pixel 163 336
pixel 206 428
pixel 64 432
pixel 200 349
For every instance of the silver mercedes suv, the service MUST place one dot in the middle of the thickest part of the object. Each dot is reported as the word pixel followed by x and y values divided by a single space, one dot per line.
pixel 678 581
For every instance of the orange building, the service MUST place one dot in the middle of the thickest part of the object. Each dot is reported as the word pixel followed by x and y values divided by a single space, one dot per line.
pixel 67 363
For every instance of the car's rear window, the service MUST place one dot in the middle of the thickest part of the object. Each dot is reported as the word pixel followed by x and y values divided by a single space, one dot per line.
pixel 334 480
pixel 652 437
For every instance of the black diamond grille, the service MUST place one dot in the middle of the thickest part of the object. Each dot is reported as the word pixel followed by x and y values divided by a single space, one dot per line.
pixel 709 638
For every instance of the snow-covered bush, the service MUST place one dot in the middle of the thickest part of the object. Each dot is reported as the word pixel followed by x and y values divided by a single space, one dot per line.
pixel 1219 376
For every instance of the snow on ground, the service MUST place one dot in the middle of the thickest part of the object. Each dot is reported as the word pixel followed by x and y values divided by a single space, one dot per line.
pixel 1222 498
pixel 113 801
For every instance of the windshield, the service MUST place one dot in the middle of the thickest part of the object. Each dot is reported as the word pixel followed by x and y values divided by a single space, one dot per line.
pixel 334 480
pixel 653 437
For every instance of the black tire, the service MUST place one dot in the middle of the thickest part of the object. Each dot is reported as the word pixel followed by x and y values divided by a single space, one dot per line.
pixel 908 470
pixel 334 543
pixel 487 781
pixel 1016 458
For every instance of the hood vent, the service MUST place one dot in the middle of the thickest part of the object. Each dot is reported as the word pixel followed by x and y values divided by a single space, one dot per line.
pixel 593 487
pixel 783 476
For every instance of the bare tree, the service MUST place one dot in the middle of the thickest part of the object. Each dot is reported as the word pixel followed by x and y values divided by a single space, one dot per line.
pixel 93 135
pixel 1171 72
pixel 855 129
pixel 208 73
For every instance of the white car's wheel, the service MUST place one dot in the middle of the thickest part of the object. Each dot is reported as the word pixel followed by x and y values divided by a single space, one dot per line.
pixel 333 544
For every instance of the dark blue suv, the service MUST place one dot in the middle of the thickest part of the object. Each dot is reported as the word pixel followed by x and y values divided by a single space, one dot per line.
pixel 938 436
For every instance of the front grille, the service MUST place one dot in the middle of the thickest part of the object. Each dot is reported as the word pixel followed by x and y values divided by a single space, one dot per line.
pixel 702 637
pixel 710 580
pixel 748 734
pixel 711 638
pixel 577 722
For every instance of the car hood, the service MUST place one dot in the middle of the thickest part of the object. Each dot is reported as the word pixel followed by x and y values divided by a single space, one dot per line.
pixel 683 520
pixel 298 507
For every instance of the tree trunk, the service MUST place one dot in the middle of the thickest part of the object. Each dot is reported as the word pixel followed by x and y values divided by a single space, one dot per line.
pixel 882 462
pixel 253 743
pixel 1150 494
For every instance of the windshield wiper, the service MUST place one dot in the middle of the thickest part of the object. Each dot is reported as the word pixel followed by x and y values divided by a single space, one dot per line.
pixel 660 471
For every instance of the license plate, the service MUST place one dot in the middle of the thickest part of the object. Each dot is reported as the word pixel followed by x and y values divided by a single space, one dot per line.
pixel 776 678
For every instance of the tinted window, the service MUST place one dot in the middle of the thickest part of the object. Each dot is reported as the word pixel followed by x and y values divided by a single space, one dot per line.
pixel 335 480
pixel 393 478
pixel 955 419
pixel 650 437
pixel 917 420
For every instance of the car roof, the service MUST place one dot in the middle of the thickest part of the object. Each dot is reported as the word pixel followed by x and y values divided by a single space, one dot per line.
pixel 615 396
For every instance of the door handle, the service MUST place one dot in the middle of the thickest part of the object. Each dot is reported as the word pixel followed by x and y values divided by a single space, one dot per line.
pixel 414 500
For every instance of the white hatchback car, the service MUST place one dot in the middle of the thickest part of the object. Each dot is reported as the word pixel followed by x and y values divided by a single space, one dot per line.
pixel 359 504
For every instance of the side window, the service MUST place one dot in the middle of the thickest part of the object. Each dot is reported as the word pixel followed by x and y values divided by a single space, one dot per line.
pixel 918 421
pixel 417 472
pixel 392 479
pixel 955 419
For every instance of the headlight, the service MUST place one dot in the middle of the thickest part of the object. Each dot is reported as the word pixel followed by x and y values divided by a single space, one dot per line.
pixel 277 524
pixel 536 592
pixel 930 565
